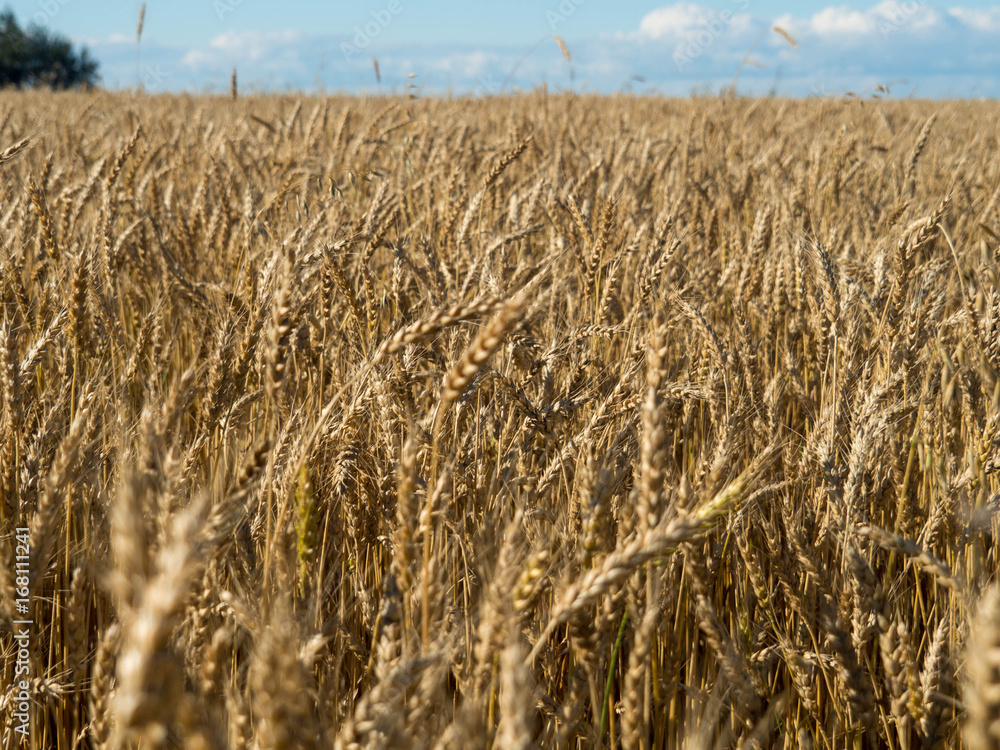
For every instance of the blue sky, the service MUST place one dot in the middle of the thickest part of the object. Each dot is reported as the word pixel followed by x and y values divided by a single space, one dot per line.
pixel 488 46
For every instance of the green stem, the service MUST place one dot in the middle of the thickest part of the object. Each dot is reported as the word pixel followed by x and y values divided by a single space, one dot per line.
pixel 611 673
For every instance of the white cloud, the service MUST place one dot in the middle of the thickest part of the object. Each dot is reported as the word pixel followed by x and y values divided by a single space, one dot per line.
pixel 466 64
pixel 842 20
pixel 915 16
pixel 675 48
pixel 110 39
pixel 888 16
pixel 885 43
pixel 254 44
pixel 246 46
pixel 987 19
pixel 684 19
pixel 674 20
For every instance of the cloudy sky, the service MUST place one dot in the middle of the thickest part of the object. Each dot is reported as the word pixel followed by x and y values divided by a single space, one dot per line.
pixel 489 46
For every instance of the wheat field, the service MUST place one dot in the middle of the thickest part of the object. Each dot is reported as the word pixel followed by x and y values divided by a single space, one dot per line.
pixel 543 421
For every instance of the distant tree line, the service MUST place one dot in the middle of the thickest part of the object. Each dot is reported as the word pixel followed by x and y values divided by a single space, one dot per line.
pixel 36 57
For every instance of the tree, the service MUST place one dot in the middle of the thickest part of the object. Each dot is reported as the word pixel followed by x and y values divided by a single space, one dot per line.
pixel 37 57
